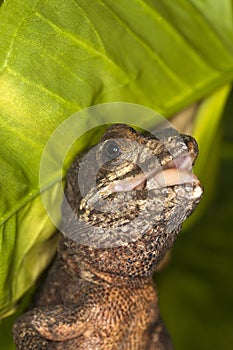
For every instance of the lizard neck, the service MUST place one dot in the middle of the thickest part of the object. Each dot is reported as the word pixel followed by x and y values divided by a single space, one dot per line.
pixel 95 276
pixel 90 271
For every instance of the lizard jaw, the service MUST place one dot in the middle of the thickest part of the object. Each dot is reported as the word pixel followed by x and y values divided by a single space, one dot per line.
pixel 176 172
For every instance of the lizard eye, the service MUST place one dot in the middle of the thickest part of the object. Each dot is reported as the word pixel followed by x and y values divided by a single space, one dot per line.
pixel 111 149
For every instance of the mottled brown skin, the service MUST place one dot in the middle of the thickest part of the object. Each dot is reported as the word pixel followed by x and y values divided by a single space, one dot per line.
pixel 102 297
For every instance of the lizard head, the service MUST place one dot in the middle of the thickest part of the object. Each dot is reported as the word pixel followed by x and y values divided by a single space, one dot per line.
pixel 129 196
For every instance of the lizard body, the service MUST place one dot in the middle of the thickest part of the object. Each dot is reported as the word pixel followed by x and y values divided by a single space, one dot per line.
pixel 100 296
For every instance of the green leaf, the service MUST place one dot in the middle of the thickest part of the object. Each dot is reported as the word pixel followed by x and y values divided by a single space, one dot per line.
pixel 59 57
pixel 206 128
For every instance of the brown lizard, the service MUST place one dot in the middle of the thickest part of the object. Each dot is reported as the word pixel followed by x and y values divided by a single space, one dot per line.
pixel 99 293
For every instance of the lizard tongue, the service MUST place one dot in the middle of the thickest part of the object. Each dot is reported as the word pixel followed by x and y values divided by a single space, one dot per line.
pixel 171 177
pixel 176 172
pixel 165 178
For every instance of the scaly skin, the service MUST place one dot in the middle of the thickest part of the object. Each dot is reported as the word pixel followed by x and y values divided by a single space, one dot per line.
pixel 100 296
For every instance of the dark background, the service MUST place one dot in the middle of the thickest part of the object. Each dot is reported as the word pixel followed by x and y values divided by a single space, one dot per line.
pixel 196 287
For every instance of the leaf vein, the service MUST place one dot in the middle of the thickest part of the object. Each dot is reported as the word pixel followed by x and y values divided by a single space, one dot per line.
pixel 82 43
pixel 147 47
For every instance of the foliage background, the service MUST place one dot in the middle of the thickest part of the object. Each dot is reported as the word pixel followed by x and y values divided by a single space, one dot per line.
pixel 197 287
pixel 58 57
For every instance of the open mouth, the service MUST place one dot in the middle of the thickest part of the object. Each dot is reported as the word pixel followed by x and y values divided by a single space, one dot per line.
pixel 176 172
